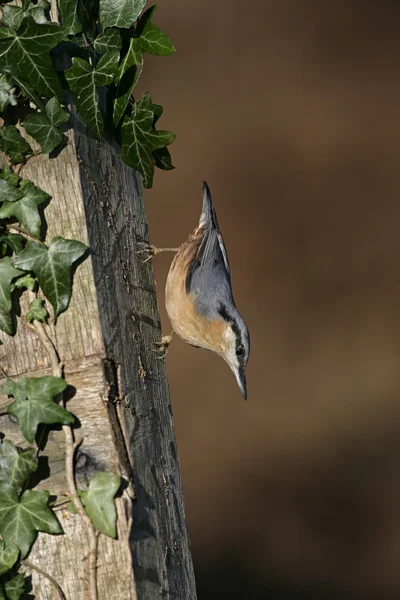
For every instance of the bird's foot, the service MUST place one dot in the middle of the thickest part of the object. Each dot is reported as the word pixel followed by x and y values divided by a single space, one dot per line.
pixel 162 347
pixel 152 250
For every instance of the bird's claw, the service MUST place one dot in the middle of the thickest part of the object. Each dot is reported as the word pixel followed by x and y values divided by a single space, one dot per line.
pixel 148 249
pixel 162 347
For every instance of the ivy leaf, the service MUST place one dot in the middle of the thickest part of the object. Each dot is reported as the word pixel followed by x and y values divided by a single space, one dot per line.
pixel 9 192
pixel 8 175
pixel 7 273
pixel 39 11
pixel 27 282
pixel 84 80
pixel 26 54
pixel 13 144
pixel 21 518
pixel 139 139
pixel 15 587
pixel 12 16
pixel 152 39
pixel 70 19
pixel 16 465
pixel 15 242
pixel 108 40
pixel 8 556
pixel 37 311
pixel 99 502
pixel 120 13
pixel 52 267
pixel 7 95
pixel 162 158
pixel 34 403
pixel 43 126
pixel 6 324
pixel 26 209
pixel 127 76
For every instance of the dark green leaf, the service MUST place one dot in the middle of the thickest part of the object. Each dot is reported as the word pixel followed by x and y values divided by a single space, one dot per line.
pixel 13 241
pixel 120 13
pixel 34 403
pixel 8 175
pixel 15 587
pixel 27 282
pixel 7 96
pixel 127 76
pixel 52 267
pixel 8 192
pixel 39 11
pixel 108 40
pixel 7 273
pixel 21 518
pixel 70 16
pixel 37 311
pixel 25 53
pixel 16 465
pixel 8 556
pixel 84 80
pixel 13 144
pixel 27 91
pixel 162 158
pixel 6 321
pixel 139 139
pixel 99 502
pixel 26 209
pixel 43 126
pixel 12 16
pixel 152 39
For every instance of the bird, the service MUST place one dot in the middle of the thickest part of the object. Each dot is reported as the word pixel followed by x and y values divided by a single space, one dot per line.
pixel 199 298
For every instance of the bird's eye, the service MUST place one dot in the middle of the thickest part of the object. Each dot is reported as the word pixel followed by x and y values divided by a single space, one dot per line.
pixel 240 350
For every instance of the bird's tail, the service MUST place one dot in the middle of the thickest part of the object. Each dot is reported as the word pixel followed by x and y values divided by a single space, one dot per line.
pixel 207 214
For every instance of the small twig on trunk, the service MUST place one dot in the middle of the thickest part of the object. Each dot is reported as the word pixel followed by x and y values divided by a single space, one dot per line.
pixel 71 446
pixel 30 565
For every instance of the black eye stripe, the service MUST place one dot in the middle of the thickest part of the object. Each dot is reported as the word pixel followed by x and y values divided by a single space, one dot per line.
pixel 227 317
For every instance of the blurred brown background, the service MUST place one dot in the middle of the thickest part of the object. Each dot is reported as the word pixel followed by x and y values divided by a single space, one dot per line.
pixel 290 110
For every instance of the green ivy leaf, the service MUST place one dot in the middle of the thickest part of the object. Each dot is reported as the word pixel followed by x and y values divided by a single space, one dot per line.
pixel 152 39
pixel 8 175
pixel 7 273
pixel 39 11
pixel 70 17
pixel 52 267
pixel 120 13
pixel 13 144
pixel 37 311
pixel 8 192
pixel 84 80
pixel 26 54
pixel 15 242
pixel 34 403
pixel 12 16
pixel 15 587
pixel 27 282
pixel 16 465
pixel 162 158
pixel 108 40
pixel 6 324
pixel 99 502
pixel 8 556
pixel 43 126
pixel 7 95
pixel 139 139
pixel 127 76
pixel 21 518
pixel 26 209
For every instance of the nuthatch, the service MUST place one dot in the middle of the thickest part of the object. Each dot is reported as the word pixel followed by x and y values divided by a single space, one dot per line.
pixel 199 297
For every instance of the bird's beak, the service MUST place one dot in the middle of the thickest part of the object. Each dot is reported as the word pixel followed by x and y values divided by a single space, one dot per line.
pixel 241 379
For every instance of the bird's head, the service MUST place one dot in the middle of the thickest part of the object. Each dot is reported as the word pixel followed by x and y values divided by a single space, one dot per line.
pixel 236 346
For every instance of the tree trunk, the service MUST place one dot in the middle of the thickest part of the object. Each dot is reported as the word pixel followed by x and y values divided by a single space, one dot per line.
pixel 105 340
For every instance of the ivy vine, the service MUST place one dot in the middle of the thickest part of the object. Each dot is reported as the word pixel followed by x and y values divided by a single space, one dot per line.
pixel 89 59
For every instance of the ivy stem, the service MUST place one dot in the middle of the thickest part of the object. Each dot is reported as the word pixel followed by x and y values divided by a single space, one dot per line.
pixel 70 447
pixel 19 167
pixel 29 565
pixel 25 232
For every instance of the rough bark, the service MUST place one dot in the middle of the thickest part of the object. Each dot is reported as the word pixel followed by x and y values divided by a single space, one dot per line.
pixel 122 400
